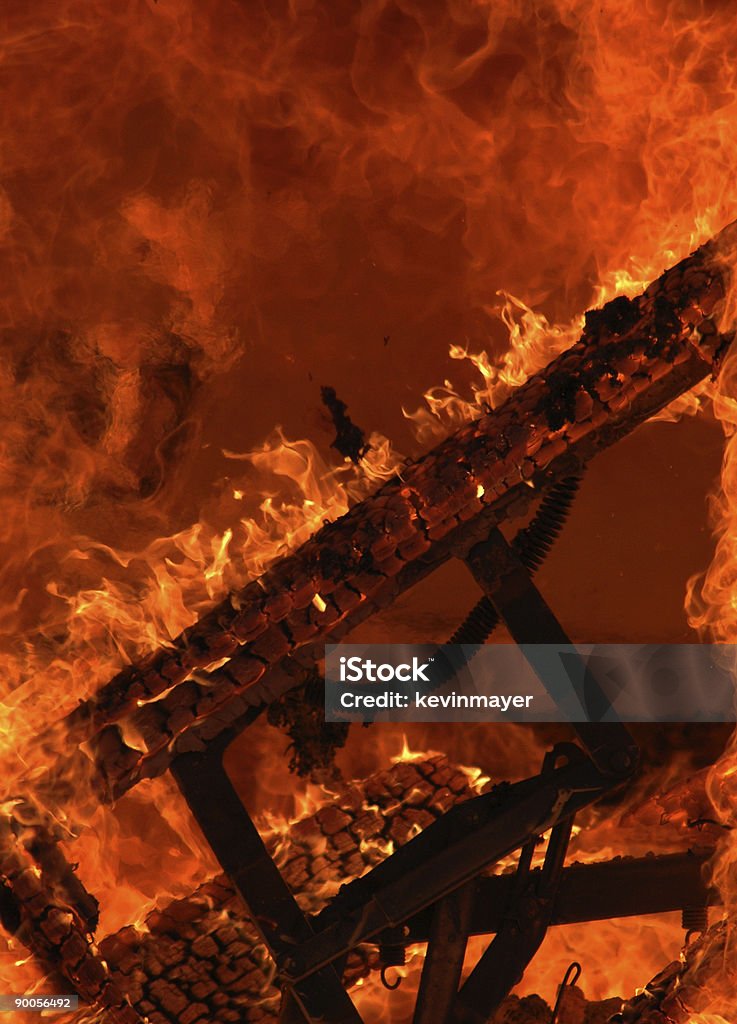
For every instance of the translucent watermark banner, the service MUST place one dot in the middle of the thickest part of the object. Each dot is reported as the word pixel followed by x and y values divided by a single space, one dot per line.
pixel 530 683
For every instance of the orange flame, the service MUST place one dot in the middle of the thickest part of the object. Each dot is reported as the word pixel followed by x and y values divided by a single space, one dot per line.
pixel 203 205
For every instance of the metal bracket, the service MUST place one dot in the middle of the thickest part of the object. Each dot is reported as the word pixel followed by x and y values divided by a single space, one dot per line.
pixel 438 868
pixel 523 927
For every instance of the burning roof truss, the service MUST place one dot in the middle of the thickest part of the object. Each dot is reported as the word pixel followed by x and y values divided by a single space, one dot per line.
pixel 183 705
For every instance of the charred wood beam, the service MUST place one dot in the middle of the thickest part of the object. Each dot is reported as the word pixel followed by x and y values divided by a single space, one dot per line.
pixel 623 887
pixel 701 985
pixel 37 907
pixel 200 960
pixel 634 357
pixel 271 904
pixel 295 674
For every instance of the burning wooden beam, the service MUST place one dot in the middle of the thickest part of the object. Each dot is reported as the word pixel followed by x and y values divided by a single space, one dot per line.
pixel 701 985
pixel 201 959
pixel 54 922
pixel 634 357
pixel 203 951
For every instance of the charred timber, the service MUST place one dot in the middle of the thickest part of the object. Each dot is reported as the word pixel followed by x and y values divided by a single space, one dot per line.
pixel 634 357
pixel 622 887
pixel 701 985
pixel 54 923
pixel 201 959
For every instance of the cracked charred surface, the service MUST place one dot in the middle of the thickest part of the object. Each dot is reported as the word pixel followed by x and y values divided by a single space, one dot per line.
pixel 634 357
pixel 704 982
pixel 52 915
pixel 200 959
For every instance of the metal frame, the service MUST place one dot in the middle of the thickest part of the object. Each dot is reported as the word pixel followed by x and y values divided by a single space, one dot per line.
pixel 432 889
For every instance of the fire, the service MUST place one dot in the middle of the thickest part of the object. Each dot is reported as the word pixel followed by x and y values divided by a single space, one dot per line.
pixel 299 491
pixel 202 208
pixel 407 755
pixel 711 601
pixel 532 343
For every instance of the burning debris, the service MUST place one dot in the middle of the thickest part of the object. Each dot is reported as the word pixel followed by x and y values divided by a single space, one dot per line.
pixel 350 440
pixel 184 189
pixel 52 918
pixel 631 361
pixel 440 507
pixel 313 742
pixel 702 983
pixel 203 957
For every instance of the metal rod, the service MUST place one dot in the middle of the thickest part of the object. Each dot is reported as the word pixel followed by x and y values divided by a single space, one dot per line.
pixel 446 948
pixel 530 621
pixel 521 933
pixel 447 854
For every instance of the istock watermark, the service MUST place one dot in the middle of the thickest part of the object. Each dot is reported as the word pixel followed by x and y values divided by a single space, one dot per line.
pixel 357 669
pixel 530 683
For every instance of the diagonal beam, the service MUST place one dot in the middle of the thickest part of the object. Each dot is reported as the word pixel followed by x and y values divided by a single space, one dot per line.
pixel 634 357
pixel 237 844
